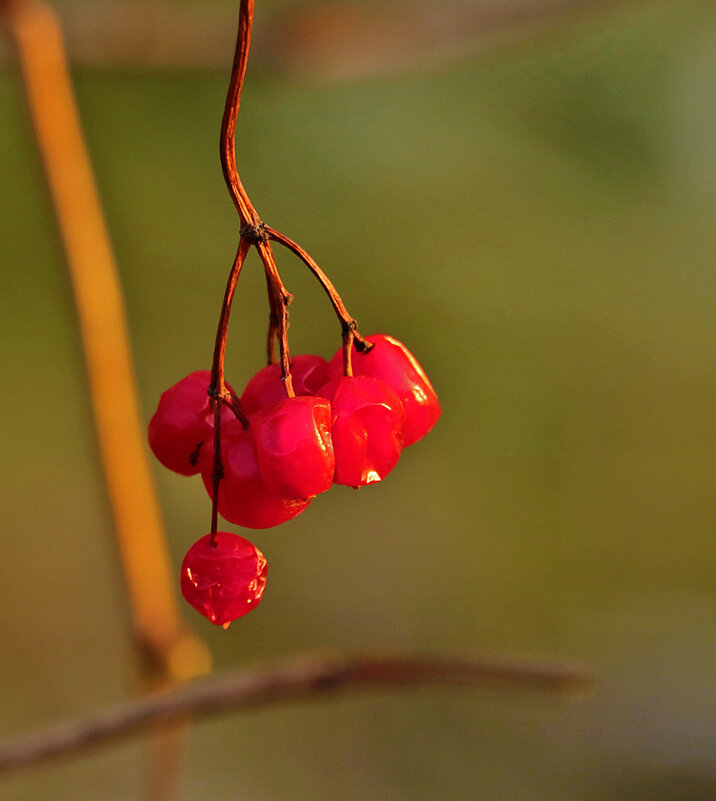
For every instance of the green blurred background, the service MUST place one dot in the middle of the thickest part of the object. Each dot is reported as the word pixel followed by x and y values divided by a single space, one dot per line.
pixel 535 219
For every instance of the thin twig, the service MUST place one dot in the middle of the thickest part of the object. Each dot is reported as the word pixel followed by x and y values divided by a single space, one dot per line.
pixel 347 322
pixel 272 333
pixel 281 297
pixel 247 213
pixel 306 676
pixel 217 387
pixel 251 226
pixel 218 390
pixel 255 232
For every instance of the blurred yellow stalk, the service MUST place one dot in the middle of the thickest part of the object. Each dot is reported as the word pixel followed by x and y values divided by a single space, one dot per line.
pixel 173 650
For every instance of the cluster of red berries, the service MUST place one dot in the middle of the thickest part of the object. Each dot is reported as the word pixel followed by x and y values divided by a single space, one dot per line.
pixel 301 424
pixel 284 451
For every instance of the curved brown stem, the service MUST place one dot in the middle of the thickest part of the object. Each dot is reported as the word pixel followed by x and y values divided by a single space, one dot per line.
pixel 256 233
pixel 274 317
pixel 217 388
pixel 217 473
pixel 282 297
pixel 245 208
pixel 252 229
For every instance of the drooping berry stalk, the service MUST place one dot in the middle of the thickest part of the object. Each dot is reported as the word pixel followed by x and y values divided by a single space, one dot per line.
pixel 348 324
pixel 217 387
pixel 280 297
pixel 244 207
pixel 272 333
pixel 255 233
pixel 255 230
pixel 252 228
pixel 301 425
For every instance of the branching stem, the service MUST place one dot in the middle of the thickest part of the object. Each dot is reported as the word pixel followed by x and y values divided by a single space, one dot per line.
pixel 347 322
pixel 255 233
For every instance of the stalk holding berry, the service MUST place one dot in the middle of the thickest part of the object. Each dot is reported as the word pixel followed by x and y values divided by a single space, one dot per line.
pixel 300 425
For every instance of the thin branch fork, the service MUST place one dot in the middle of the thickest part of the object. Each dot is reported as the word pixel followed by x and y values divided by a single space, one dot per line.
pixel 260 235
pixel 307 676
pixel 254 233
pixel 347 322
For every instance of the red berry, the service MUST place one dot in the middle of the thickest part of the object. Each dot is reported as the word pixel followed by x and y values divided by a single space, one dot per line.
pixel 243 498
pixel 224 580
pixel 390 361
pixel 293 445
pixel 309 372
pixel 367 428
pixel 181 423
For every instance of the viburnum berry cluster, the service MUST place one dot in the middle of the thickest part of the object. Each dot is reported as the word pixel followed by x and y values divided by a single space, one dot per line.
pixel 301 423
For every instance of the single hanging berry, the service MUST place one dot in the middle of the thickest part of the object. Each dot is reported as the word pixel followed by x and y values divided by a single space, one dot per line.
pixel 390 361
pixel 367 420
pixel 309 372
pixel 223 580
pixel 294 448
pixel 182 422
pixel 243 497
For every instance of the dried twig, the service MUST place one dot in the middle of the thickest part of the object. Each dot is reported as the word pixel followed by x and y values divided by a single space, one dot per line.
pixel 306 676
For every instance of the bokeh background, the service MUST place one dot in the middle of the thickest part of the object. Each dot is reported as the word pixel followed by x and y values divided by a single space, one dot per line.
pixel 528 201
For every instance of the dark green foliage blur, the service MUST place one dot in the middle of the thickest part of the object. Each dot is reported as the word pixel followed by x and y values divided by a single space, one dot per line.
pixel 538 226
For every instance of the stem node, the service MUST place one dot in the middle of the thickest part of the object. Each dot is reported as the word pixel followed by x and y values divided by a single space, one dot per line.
pixel 254 233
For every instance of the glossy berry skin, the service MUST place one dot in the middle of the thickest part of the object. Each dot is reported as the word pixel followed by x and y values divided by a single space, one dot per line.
pixel 308 372
pixel 367 428
pixel 390 361
pixel 294 447
pixel 182 422
pixel 225 581
pixel 243 498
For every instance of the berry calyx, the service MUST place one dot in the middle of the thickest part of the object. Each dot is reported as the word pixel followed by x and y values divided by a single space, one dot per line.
pixel 294 448
pixel 367 426
pixel 182 422
pixel 309 372
pixel 224 579
pixel 390 361
pixel 243 497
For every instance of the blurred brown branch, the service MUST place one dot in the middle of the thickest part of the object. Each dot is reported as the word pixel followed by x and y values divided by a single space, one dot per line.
pixel 329 41
pixel 320 40
pixel 305 676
